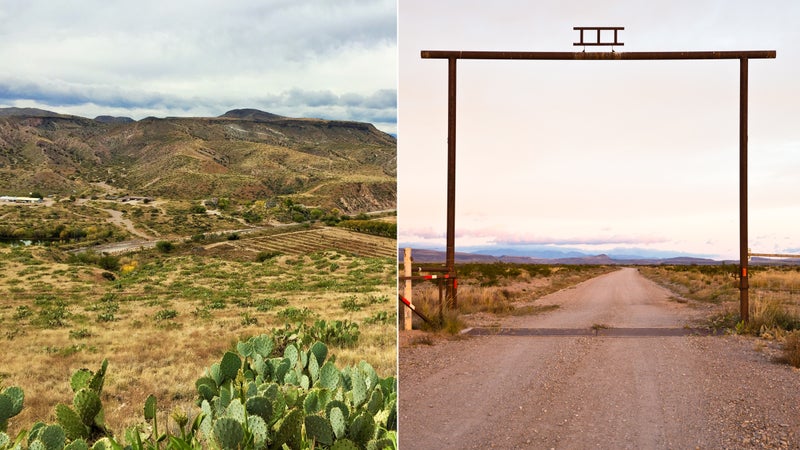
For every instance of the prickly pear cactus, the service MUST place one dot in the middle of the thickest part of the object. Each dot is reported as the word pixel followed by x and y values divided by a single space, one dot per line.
pixel 344 444
pixel 290 430
pixel 228 433
pixel 338 422
pixel 293 398
pixel 88 405
pixel 229 367
pixel 362 429
pixel 11 400
pixel 258 429
pixel 52 437
pixel 79 444
pixel 319 429
pixel 71 422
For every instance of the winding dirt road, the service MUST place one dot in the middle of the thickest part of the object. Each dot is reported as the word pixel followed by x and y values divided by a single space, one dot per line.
pixel 574 392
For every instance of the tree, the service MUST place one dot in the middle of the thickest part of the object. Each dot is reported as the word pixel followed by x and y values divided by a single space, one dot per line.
pixel 165 246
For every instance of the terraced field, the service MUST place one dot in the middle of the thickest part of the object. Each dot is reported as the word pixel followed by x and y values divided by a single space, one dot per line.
pixel 316 240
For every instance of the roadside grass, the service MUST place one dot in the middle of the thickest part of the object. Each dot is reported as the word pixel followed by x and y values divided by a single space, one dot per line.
pixel 774 299
pixel 164 318
pixel 791 349
pixel 500 289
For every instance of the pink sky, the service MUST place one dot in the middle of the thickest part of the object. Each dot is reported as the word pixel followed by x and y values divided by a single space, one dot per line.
pixel 600 155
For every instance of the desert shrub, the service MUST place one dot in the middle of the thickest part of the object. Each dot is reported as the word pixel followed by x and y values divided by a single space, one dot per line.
pixel 769 314
pixel 375 227
pixel 197 209
pixel 109 276
pixel 352 304
pixel 165 246
pixel 251 216
pixel 292 314
pixel 166 314
pixel 109 262
pixel 79 334
pixel 791 349
pixel 264 256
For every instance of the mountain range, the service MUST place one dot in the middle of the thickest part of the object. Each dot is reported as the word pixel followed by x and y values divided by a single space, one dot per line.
pixel 439 256
pixel 245 153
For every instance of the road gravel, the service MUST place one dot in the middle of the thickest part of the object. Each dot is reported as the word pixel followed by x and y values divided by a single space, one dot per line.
pixel 581 392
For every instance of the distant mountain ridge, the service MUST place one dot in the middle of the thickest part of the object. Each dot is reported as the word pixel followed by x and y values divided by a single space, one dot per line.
pixel 245 153
pixel 439 256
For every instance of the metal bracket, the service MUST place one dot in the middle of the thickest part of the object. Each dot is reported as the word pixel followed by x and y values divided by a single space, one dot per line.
pixel 599 41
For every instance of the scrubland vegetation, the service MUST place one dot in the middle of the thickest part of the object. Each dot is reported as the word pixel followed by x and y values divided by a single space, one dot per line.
pixel 774 299
pixel 162 318
pixel 499 288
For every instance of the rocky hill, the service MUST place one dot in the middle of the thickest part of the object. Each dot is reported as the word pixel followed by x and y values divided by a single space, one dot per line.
pixel 246 154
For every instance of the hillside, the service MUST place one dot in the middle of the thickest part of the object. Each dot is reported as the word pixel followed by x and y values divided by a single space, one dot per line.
pixel 244 154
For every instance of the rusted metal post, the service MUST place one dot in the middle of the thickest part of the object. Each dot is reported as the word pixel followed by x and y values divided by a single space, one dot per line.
pixel 744 300
pixel 451 177
pixel 407 290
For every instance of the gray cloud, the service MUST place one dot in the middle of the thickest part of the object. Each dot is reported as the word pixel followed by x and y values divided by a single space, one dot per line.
pixel 309 58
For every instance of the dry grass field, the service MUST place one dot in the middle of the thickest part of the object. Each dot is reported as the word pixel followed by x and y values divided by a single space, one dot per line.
pixel 774 293
pixel 491 289
pixel 162 318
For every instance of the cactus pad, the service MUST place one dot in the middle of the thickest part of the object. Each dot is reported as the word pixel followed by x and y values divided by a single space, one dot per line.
pixel 6 409
pixel 291 354
pixel 313 369
pixel 380 444
pixel 338 421
pixel 338 404
pixel 370 376
pixel 235 410
pixel 229 366
pixel 290 430
pixel 319 429
pixel 228 433
pixel 362 429
pixel 103 444
pixel 259 429
pixel 78 444
pixel 245 348
pixel 358 388
pixel 263 345
pixel 52 437
pixel 17 397
pixel 71 423
pixel 150 407
pixel 329 376
pixel 344 444
pixel 87 404
pixel 282 369
pixel 375 403
pixel 259 406
pixel 98 379
pixel 80 379
pixel 319 350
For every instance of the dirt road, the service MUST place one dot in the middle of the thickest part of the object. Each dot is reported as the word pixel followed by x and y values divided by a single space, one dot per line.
pixel 574 392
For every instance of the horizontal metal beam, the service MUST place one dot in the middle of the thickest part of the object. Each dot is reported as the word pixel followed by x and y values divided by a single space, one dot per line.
pixel 773 255
pixel 580 56
pixel 598 28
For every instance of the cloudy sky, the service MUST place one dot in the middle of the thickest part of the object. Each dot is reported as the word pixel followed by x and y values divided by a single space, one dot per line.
pixel 600 155
pixel 311 58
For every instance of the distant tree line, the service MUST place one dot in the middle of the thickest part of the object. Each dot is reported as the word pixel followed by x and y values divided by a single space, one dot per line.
pixel 52 233
pixel 375 227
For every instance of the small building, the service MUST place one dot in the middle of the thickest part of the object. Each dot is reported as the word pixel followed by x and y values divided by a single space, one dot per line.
pixel 9 199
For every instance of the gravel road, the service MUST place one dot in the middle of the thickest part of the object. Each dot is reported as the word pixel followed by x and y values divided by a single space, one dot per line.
pixel 575 392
